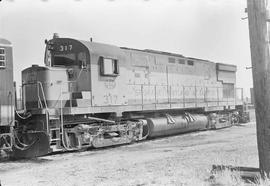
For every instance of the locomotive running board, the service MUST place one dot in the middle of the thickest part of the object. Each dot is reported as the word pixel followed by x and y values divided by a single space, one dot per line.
pixel 40 146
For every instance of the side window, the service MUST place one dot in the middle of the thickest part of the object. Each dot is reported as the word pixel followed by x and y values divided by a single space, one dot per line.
pixel 2 58
pixel 190 62
pixel 109 67
pixel 181 61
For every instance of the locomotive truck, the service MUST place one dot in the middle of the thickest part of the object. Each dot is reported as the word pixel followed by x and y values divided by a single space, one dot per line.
pixel 92 95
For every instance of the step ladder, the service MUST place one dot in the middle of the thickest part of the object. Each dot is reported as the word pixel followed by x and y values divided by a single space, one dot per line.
pixel 55 130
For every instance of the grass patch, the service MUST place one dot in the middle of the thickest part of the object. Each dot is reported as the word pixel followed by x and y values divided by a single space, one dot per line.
pixel 229 177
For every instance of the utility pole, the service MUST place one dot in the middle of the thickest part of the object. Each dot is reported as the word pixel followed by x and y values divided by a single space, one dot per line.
pixel 259 46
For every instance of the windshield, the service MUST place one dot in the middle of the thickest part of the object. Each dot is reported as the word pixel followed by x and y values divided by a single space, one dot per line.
pixel 65 60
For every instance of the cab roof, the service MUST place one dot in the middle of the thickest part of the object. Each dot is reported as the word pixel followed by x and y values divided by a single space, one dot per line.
pixel 102 49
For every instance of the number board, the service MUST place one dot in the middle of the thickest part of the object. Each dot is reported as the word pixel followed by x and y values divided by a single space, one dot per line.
pixel 64 47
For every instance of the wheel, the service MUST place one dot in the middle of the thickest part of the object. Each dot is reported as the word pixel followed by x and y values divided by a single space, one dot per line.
pixel 235 119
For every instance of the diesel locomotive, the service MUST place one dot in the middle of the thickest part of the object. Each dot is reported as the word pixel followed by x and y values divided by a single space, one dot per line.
pixel 96 95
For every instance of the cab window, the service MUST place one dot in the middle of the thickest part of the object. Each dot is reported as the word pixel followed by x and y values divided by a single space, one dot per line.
pixel 66 54
pixel 109 67
pixel 62 59
pixel 2 58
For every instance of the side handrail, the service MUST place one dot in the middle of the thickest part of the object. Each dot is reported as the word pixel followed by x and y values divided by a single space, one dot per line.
pixel 45 104
pixel 209 93
pixel 43 94
pixel 62 119
pixel 10 97
pixel 23 97
pixel 39 100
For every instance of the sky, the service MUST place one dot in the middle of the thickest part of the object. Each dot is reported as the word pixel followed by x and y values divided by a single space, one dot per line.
pixel 206 29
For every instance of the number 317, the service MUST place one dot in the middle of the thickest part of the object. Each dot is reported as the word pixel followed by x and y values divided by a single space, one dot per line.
pixel 65 48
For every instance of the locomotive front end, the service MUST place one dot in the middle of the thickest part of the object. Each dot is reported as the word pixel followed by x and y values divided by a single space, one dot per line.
pixel 63 81
pixel 64 113
pixel 48 91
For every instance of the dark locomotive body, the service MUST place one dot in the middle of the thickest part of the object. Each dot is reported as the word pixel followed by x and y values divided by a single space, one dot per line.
pixel 95 95
pixel 6 96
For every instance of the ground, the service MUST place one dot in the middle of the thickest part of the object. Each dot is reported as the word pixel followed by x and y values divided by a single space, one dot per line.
pixel 178 160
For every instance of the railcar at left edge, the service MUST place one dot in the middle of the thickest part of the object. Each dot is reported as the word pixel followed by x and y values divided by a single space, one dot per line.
pixel 7 96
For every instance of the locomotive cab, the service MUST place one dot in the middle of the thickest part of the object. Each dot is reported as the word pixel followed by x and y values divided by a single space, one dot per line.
pixel 70 55
pixel 72 68
pixel 66 53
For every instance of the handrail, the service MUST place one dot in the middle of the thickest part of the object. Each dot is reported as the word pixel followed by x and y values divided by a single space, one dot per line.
pixel 62 120
pixel 210 94
pixel 23 97
pixel 208 91
pixel 39 100
pixel 43 94
pixel 39 84
pixel 11 105
pixel 45 103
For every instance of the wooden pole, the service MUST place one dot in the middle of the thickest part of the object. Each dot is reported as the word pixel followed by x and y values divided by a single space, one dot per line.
pixel 259 46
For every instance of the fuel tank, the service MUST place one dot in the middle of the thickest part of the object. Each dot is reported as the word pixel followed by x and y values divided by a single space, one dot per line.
pixel 170 125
